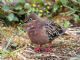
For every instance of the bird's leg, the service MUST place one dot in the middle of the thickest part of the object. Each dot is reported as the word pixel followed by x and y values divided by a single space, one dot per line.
pixel 38 49
pixel 49 48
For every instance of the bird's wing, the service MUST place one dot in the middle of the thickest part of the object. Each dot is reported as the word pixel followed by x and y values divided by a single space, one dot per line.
pixel 53 30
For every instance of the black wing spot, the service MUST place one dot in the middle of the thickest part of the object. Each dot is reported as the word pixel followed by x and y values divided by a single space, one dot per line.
pixel 53 30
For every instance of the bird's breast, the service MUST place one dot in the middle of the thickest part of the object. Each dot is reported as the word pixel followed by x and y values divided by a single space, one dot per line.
pixel 38 36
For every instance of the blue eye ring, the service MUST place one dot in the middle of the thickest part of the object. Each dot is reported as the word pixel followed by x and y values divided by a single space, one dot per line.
pixel 30 19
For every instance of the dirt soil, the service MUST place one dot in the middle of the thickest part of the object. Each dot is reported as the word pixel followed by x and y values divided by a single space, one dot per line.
pixel 65 47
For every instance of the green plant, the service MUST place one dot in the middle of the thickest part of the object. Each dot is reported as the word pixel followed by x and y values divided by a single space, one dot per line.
pixel 12 12
pixel 74 8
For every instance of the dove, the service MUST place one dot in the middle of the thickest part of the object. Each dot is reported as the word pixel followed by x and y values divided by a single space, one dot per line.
pixel 42 31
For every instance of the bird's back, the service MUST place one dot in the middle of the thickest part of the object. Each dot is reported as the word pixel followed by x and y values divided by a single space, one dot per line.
pixel 53 30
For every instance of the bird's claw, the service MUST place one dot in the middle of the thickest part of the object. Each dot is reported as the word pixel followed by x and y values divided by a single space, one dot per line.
pixel 37 49
pixel 48 49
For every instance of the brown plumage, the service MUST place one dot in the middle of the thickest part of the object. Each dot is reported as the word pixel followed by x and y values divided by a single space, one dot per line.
pixel 42 31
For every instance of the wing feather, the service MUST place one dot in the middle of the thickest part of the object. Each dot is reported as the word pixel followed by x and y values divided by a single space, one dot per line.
pixel 53 30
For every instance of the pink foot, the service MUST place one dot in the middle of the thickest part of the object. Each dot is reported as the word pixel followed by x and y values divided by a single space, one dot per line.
pixel 38 49
pixel 48 49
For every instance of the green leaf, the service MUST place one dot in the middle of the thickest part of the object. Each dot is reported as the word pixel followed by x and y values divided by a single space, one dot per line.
pixel 72 9
pixel 64 2
pixel 78 1
pixel 66 24
pixel 21 1
pixel 21 12
pixel 55 7
pixel 39 1
pixel 18 7
pixel 5 8
pixel 0 0
pixel 16 19
pixel 10 17
pixel 32 10
pixel 27 6
pixel 10 0
pixel 76 18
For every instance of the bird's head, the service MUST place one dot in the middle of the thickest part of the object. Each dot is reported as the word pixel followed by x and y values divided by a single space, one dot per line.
pixel 31 21
pixel 31 17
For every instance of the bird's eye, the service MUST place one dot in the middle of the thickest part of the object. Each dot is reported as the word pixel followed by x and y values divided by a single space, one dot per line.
pixel 30 19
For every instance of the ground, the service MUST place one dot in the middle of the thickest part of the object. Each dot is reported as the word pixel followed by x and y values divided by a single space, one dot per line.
pixel 65 47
